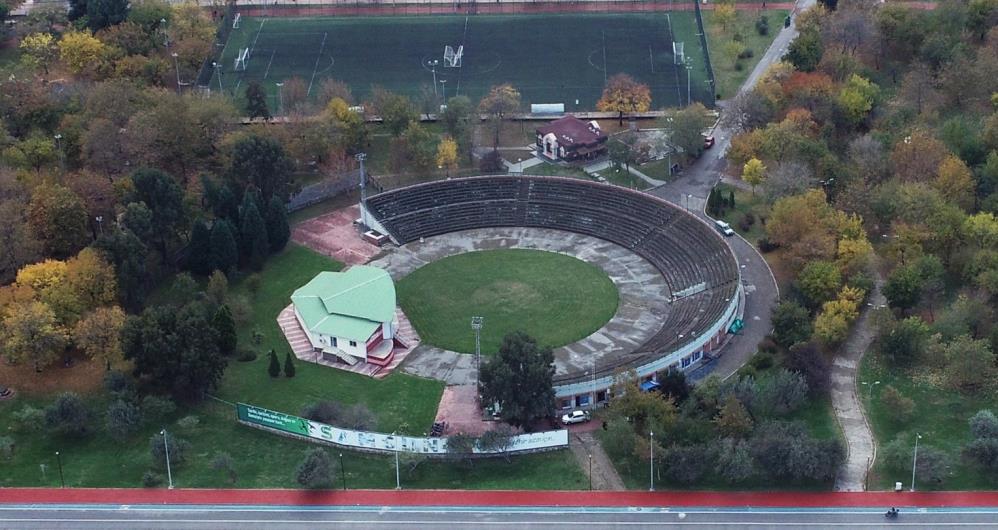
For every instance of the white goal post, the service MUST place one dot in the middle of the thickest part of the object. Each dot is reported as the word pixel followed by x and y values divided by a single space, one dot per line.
pixel 241 58
pixel 452 59
pixel 677 52
pixel 235 21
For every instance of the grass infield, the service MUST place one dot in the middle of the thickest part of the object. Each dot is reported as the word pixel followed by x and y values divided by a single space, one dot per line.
pixel 554 298
pixel 549 58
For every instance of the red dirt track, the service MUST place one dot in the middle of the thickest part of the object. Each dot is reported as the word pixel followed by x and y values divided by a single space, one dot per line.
pixel 459 8
pixel 495 498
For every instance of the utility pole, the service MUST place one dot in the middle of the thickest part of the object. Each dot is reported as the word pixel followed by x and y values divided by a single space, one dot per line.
pixel 476 324
pixel 363 188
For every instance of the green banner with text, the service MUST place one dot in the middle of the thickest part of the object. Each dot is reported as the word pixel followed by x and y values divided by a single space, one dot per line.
pixel 272 419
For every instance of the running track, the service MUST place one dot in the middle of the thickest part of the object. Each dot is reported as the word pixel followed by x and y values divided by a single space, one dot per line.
pixel 123 496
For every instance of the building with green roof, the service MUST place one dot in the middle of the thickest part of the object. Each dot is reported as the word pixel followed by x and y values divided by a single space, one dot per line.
pixel 349 315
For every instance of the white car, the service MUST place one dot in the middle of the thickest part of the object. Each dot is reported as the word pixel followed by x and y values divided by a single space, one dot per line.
pixel 576 416
pixel 724 228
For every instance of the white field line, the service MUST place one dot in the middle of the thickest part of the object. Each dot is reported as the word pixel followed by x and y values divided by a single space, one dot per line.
pixel 316 67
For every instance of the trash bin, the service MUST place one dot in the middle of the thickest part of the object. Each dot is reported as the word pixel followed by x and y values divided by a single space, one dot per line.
pixel 897 486
pixel 786 22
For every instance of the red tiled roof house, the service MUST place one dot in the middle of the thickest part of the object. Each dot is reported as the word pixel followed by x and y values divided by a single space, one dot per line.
pixel 570 138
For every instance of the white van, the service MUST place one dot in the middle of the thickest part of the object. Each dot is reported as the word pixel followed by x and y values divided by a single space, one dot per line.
pixel 724 228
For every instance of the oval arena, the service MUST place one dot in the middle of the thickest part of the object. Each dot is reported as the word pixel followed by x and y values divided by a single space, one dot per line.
pixel 694 277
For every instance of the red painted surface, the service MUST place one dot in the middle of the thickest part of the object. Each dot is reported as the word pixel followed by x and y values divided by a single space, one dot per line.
pixel 488 9
pixel 497 498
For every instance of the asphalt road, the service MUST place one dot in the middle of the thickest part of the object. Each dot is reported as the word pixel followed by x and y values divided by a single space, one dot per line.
pixel 528 518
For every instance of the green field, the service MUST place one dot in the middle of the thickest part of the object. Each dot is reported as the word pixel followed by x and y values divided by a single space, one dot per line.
pixel 549 58
pixel 554 298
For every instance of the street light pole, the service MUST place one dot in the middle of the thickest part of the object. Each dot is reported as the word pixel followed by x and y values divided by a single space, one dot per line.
pixel 280 98
pixel 443 90
pixel 398 479
pixel 651 467
pixel 343 473
pixel 166 448
pixel 476 324
pixel 176 67
pixel 914 461
pixel 62 479
pixel 218 69
pixel 590 471
pixel 433 68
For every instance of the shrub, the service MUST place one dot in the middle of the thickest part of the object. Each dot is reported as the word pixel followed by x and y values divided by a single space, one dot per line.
pixel 984 424
pixel 762 25
pixel 245 356
pixel 357 416
pixel 68 416
pixel 739 66
pixel 7 445
pixel 809 361
pixel 762 361
pixel 780 393
pixel 178 449
pixel 747 53
pixel 223 463
pixel 119 384
pixel 274 367
pixel 28 419
pixel 253 282
pixel 316 470
pixel 188 422
pixel 122 419
pixel 766 246
pixel 156 408
pixel 901 406
pixel 983 452
pixel 151 479
pixel 289 365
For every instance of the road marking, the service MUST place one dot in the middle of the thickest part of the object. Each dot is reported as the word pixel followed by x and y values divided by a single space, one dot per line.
pixel 479 522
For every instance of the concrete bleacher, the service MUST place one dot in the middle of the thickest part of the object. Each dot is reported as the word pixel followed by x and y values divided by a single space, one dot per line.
pixel 684 249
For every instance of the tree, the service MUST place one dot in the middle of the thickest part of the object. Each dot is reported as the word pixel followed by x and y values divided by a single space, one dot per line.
pixel 819 282
pixel 39 50
pixel 261 162
pixel 295 94
pixel 396 111
pixel 137 217
pixel 780 393
pixel 808 360
pixel 104 13
pixel 733 419
pixel 165 199
pixel 254 246
pixel 415 148
pixel 832 324
pixel 459 119
pixel 225 327
pixel 31 333
pixel 901 407
pixel 447 154
pixel 68 416
pixel 754 173
pixel 79 50
pixel 673 383
pixel 289 365
pixel 685 128
pixel 520 378
pixel 256 101
pixel 857 98
pixel 623 94
pixel 970 364
pixel 791 323
pixel 59 220
pixel 278 230
pixel 224 253
pixel 316 470
pixel 90 280
pixel 18 244
pixel 498 440
pixel 98 334
pixel 955 182
pixel 496 105
pixel 903 288
pixel 805 51
pixel 128 256
pixel 122 419
pixel 274 368
pixel 199 249
pixel 175 350
pixel 903 342
pixel 983 424
pixel 733 460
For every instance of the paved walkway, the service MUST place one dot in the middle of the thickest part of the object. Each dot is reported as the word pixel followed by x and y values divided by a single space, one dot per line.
pixel 862 448
pixel 287 497
pixel 606 164
pixel 585 446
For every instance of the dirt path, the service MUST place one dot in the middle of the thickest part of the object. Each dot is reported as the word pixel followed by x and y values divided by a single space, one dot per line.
pixel 862 449
pixel 605 476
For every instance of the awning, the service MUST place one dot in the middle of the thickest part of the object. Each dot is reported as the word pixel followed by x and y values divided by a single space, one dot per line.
pixel 648 386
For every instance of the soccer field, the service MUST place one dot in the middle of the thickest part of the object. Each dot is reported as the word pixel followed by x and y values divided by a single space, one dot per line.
pixel 549 58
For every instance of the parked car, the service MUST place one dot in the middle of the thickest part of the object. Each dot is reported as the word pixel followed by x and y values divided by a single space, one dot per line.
pixel 708 142
pixel 724 228
pixel 576 416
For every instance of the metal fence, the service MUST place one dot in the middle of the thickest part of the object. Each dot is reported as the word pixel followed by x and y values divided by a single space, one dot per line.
pixel 221 37
pixel 708 98
pixel 326 189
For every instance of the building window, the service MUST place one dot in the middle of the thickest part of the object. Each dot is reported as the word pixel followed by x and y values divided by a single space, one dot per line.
pixel 333 341
pixel 582 401
pixel 687 361
pixel 601 396
pixel 353 343
pixel 566 403
pixel 697 355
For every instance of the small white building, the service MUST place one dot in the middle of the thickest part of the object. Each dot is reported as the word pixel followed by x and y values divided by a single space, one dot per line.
pixel 349 316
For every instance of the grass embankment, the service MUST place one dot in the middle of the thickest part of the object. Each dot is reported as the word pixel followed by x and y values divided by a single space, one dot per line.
pixel 940 416
pixel 554 298
pixel 262 459
pixel 729 71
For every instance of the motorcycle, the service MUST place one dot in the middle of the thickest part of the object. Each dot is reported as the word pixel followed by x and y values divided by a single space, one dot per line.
pixel 892 513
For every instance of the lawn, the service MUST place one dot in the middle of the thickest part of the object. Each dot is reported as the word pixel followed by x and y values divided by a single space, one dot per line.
pixel 393 52
pixel 622 177
pixel 745 203
pixel 730 72
pixel 657 169
pixel 940 416
pixel 554 298
pixel 547 169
